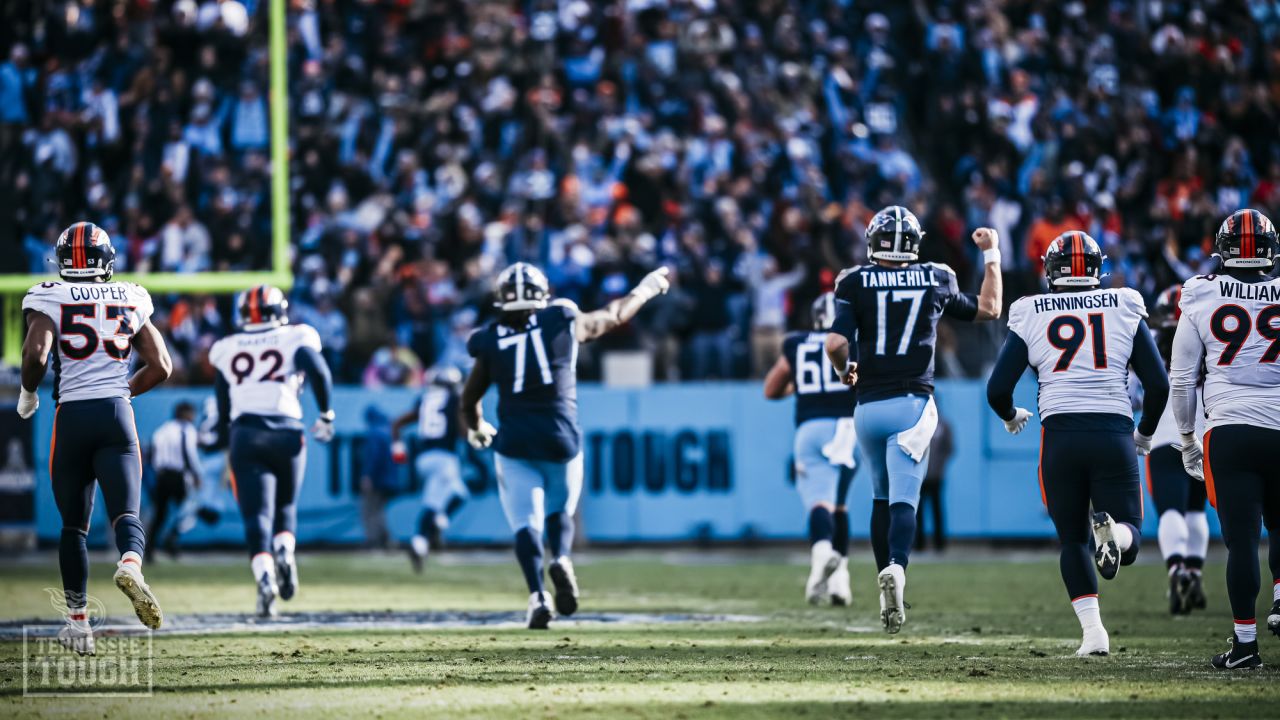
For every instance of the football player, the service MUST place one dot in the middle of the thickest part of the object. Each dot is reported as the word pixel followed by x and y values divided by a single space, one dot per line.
pixel 824 449
pixel 1179 498
pixel 889 311
pixel 443 492
pixel 1081 339
pixel 261 369
pixel 92 326
pixel 1229 337
pixel 531 353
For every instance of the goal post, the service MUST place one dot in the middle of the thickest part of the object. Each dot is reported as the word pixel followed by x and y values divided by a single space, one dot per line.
pixel 14 286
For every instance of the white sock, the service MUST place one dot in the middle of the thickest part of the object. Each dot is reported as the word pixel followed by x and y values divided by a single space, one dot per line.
pixel 822 546
pixel 1275 592
pixel 1087 613
pixel 1247 632
pixel 263 563
pixel 1197 535
pixel 1172 534
pixel 78 616
pixel 420 544
pixel 284 541
pixel 132 557
pixel 1123 535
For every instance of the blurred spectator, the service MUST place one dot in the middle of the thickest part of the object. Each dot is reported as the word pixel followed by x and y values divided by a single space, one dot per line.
pixel 940 450
pixel 378 479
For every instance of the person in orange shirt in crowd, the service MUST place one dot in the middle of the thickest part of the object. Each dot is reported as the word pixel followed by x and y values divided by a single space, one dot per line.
pixel 1053 223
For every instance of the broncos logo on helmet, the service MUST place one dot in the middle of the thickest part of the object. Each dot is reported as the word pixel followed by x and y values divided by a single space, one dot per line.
pixel 84 253
pixel 261 307
pixel 522 287
pixel 1247 239
pixel 1073 260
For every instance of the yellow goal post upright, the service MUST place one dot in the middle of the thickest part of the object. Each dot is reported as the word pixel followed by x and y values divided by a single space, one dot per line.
pixel 14 286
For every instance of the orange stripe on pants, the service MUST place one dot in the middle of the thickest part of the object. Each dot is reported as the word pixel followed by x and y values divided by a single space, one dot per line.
pixel 1208 472
pixel 53 441
pixel 1040 471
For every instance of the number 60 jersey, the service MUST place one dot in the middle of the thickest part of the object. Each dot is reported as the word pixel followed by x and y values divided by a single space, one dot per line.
pixel 94 324
pixel 260 368
pixel 1080 344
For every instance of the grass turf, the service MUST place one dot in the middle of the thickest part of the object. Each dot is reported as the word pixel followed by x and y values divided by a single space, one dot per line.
pixel 985 637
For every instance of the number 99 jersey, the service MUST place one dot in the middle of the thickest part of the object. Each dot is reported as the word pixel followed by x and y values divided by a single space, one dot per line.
pixel 94 324
pixel 1236 327
pixel 261 371
pixel 1079 344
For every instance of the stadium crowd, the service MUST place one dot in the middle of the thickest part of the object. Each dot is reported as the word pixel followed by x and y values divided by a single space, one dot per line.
pixel 743 144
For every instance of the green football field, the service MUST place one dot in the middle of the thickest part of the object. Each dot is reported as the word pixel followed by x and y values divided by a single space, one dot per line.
pixel 989 636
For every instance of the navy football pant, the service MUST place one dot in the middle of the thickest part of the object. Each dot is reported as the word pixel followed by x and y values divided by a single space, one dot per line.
pixel 1079 468
pixel 266 470
pixel 94 443
pixel 1243 483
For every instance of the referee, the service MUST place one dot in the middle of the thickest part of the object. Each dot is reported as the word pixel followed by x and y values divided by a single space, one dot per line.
pixel 175 461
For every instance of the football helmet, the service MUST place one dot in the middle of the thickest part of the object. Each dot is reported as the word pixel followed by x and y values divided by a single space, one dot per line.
pixel 522 287
pixel 823 311
pixel 1166 312
pixel 1073 261
pixel 894 235
pixel 444 376
pixel 1246 239
pixel 85 253
pixel 261 307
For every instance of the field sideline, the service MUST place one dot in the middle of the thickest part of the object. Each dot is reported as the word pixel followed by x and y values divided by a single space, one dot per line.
pixel 985 638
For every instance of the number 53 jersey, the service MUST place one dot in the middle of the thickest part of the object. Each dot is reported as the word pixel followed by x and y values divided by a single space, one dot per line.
pixel 1079 344
pixel 94 324
pixel 1234 327
pixel 261 371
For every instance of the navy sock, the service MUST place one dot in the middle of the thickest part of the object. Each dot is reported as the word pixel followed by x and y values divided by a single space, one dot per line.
pixel 880 533
pixel 73 561
pixel 902 532
pixel 821 525
pixel 428 527
pixel 560 529
pixel 129 534
pixel 1197 563
pixel 840 533
pixel 529 555
pixel 1130 556
pixel 455 503
pixel 1173 561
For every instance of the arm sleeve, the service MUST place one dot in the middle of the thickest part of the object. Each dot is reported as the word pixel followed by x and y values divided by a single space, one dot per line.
pixel 846 320
pixel 222 392
pixel 1188 354
pixel 312 363
pixel 958 305
pixel 1004 377
pixel 1155 384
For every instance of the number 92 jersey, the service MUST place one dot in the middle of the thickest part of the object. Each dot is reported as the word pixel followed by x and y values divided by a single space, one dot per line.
pixel 94 324
pixel 1079 344
pixel 1235 327
pixel 261 370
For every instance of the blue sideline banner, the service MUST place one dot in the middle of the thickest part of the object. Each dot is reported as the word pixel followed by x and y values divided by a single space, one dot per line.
pixel 666 463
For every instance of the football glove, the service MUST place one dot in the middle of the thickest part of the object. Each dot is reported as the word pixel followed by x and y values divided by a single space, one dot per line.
pixel 399 453
pixel 1192 456
pixel 482 437
pixel 1019 422
pixel 850 375
pixel 1143 442
pixel 27 403
pixel 653 285
pixel 322 430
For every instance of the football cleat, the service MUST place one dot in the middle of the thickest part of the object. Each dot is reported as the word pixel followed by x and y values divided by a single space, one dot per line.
pixel 128 578
pixel 823 561
pixel 267 596
pixel 418 549
pixel 1179 587
pixel 287 573
pixel 1096 643
pixel 539 616
pixel 77 637
pixel 893 611
pixel 565 583
pixel 1195 591
pixel 1241 656
pixel 838 584
pixel 1107 554
pixel 1273 618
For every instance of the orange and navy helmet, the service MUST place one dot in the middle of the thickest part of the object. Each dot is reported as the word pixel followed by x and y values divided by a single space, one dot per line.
pixel 1247 239
pixel 1073 262
pixel 84 254
pixel 1168 309
pixel 261 307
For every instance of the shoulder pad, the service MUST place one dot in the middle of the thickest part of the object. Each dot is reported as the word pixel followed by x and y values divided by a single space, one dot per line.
pixel 565 303
pixel 944 267
pixel 847 272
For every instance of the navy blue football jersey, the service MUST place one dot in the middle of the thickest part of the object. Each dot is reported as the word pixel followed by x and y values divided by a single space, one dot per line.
pixel 438 422
pixel 819 392
pixel 890 316
pixel 535 369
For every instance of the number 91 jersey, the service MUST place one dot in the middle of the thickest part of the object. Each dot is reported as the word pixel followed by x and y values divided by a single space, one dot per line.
pixel 1079 344
pixel 261 371
pixel 94 324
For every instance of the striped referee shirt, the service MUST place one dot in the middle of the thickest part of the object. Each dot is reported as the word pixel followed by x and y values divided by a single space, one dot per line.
pixel 173 447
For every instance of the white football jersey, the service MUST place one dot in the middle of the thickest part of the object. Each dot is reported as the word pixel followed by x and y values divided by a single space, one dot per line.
pixel 94 324
pixel 1079 344
pixel 1167 431
pixel 1232 329
pixel 259 367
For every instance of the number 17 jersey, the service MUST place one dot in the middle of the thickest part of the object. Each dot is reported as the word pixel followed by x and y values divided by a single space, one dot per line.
pixel 261 370
pixel 1079 344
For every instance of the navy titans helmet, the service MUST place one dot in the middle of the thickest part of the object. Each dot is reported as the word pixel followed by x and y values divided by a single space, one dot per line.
pixel 823 311
pixel 85 254
pixel 522 287
pixel 894 235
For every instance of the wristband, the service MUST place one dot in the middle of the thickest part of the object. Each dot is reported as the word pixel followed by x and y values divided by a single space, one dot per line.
pixel 328 415
pixel 991 256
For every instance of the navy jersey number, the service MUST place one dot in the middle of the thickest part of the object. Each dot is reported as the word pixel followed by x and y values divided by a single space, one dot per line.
pixel 519 342
pixel 1070 344
pixel 1234 336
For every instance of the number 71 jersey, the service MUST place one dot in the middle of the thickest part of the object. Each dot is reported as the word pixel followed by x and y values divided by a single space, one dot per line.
pixel 94 324
pixel 1079 344
pixel 261 369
